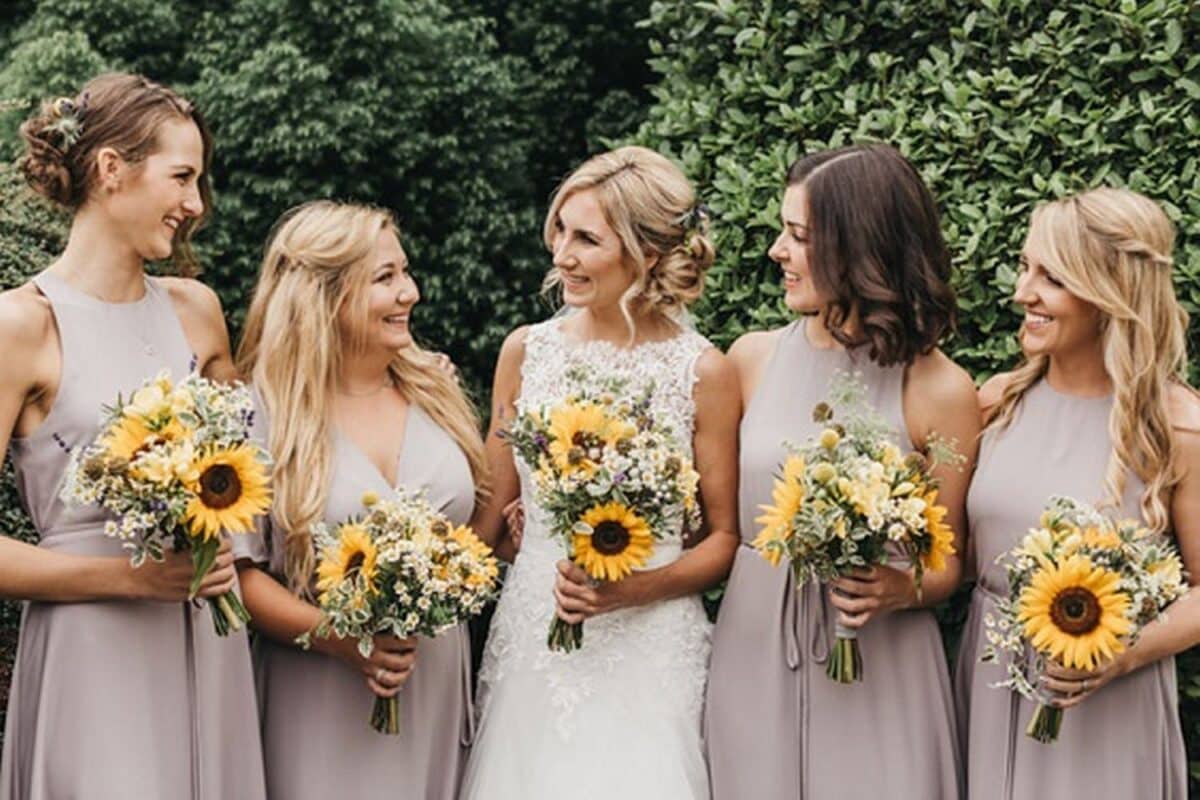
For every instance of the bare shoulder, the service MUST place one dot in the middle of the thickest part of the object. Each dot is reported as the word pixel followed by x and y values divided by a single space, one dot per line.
pixel 512 352
pixel 939 382
pixel 753 348
pixel 715 370
pixel 993 389
pixel 26 318
pixel 1183 408
pixel 193 298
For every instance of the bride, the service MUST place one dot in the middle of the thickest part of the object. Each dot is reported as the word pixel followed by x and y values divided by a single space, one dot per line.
pixel 620 717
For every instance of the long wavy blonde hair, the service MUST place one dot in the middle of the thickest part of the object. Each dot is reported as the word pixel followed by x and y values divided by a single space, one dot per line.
pixel 318 260
pixel 1112 248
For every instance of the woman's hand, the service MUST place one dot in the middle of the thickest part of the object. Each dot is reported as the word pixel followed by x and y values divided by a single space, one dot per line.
pixel 578 597
pixel 1073 686
pixel 389 666
pixel 514 521
pixel 169 580
pixel 864 594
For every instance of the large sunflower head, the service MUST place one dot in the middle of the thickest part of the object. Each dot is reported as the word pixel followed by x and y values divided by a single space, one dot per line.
pixel 787 498
pixel 942 535
pixel 619 542
pixel 577 429
pixel 352 557
pixel 1074 612
pixel 230 488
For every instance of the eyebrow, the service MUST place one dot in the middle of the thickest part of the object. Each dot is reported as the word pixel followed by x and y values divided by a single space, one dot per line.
pixel 795 224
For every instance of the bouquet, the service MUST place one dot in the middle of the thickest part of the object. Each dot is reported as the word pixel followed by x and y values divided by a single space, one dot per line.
pixel 175 466
pixel 400 568
pixel 611 478
pixel 1080 589
pixel 848 499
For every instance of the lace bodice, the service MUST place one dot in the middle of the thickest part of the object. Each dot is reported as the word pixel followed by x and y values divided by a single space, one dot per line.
pixel 669 639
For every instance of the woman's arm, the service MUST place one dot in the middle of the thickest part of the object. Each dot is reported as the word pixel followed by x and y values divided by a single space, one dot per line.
pixel 489 521
pixel 939 399
pixel 715 443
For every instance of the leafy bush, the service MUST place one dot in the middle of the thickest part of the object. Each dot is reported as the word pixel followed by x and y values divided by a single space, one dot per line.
pixel 999 103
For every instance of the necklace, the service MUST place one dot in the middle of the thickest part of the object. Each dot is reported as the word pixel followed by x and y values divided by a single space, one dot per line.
pixel 370 392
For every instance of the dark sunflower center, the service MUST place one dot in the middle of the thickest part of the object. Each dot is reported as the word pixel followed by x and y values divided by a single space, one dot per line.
pixel 220 486
pixel 610 538
pixel 1075 611
pixel 355 562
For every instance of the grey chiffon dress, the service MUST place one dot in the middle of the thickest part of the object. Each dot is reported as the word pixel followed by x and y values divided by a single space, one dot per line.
pixel 777 728
pixel 117 699
pixel 1122 742
pixel 317 739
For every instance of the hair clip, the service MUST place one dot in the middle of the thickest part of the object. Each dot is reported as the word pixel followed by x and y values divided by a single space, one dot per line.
pixel 696 216
pixel 68 122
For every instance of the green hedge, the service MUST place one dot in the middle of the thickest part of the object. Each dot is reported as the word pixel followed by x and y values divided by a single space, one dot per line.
pixel 999 103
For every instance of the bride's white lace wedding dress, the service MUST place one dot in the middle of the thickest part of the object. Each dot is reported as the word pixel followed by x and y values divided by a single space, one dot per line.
pixel 618 719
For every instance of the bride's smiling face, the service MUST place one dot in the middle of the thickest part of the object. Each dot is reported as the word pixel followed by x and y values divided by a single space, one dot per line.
pixel 588 254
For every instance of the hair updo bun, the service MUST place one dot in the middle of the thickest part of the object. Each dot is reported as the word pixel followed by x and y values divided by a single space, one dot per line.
pixel 652 208
pixel 117 110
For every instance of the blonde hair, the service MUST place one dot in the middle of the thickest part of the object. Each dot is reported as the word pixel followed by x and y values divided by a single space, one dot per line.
pixel 652 207
pixel 317 261
pixel 1112 248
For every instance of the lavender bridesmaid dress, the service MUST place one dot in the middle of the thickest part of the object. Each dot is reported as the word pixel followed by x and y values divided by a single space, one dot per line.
pixel 776 727
pixel 317 739
pixel 1122 742
pixel 117 699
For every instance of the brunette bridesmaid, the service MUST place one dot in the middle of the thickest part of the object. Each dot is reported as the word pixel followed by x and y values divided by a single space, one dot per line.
pixel 865 266
pixel 350 404
pixel 1099 411
pixel 121 687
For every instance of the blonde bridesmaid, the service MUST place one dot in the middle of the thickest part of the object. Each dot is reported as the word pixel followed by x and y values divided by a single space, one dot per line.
pixel 1098 410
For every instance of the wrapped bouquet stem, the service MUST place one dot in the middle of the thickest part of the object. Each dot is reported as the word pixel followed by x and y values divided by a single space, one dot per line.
pixel 849 499
pixel 175 467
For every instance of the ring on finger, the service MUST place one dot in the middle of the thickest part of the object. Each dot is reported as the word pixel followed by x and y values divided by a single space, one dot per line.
pixel 1087 684
pixel 379 673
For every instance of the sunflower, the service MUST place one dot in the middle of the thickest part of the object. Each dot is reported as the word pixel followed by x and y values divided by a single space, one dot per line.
pixel 229 490
pixel 1105 538
pixel 1075 613
pixel 130 436
pixel 577 428
pixel 787 498
pixel 619 541
pixel 352 556
pixel 942 536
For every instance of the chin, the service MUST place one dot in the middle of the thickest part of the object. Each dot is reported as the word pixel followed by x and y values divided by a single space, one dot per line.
pixel 802 305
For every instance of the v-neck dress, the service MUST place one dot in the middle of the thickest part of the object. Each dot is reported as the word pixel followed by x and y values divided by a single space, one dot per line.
pixel 316 709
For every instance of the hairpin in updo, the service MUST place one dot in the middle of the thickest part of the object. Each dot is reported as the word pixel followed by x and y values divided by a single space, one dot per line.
pixel 67 115
pixel 695 217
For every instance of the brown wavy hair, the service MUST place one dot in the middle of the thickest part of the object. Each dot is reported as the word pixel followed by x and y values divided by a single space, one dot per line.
pixel 876 250
pixel 119 110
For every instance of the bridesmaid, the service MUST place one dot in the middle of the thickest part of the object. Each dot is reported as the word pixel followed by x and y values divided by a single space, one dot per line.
pixel 353 405
pixel 865 266
pixel 1099 411
pixel 121 688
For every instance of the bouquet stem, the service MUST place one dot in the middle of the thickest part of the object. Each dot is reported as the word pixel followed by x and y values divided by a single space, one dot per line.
pixel 845 661
pixel 228 613
pixel 1045 723
pixel 385 717
pixel 565 637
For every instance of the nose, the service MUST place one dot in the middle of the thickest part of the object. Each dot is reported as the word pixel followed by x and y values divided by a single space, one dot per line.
pixel 777 252
pixel 408 294
pixel 193 203
pixel 1023 293
pixel 561 256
